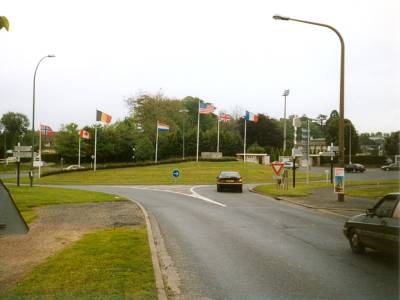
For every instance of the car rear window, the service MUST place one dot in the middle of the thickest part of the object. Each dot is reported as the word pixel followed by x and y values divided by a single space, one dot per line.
pixel 229 175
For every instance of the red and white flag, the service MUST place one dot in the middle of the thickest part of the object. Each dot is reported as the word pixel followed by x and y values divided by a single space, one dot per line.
pixel 225 117
pixel 84 134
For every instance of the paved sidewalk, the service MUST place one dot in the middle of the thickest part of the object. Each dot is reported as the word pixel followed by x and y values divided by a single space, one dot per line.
pixel 325 199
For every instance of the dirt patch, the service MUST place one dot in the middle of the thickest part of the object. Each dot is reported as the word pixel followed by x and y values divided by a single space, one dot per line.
pixel 56 227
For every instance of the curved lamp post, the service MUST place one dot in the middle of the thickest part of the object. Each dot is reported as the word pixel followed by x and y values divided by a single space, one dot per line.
pixel 33 115
pixel 341 103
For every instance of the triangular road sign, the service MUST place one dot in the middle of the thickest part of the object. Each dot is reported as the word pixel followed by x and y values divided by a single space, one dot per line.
pixel 277 166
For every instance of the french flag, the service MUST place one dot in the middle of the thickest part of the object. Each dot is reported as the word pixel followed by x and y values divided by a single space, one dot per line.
pixel 162 126
pixel 251 117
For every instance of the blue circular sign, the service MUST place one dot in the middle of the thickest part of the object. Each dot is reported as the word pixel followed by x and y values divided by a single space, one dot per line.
pixel 175 173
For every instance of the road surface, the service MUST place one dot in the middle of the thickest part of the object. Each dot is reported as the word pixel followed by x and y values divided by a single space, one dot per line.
pixel 247 246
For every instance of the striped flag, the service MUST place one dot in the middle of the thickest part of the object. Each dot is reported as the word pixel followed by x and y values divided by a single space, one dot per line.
pixel 84 134
pixel 225 117
pixel 103 117
pixel 162 126
pixel 251 117
pixel 206 108
pixel 46 130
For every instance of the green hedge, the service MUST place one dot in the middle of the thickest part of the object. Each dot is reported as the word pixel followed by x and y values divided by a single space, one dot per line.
pixel 367 160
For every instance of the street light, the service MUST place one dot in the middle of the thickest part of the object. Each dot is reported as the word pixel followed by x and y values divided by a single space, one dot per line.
pixel 341 100
pixel 33 115
pixel 285 94
pixel 183 132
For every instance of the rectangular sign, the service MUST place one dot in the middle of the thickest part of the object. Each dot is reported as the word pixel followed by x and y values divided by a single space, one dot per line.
pixel 22 148
pixel 338 183
pixel 23 154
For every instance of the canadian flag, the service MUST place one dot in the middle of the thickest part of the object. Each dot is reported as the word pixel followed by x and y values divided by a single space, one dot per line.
pixel 84 134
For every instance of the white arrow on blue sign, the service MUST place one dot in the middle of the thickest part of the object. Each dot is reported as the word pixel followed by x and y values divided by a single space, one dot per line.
pixel 175 173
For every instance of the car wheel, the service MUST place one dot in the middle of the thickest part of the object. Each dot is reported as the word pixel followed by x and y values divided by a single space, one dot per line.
pixel 355 244
pixel 241 190
pixel 218 188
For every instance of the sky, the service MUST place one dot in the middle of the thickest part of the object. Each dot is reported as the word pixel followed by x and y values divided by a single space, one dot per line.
pixel 230 53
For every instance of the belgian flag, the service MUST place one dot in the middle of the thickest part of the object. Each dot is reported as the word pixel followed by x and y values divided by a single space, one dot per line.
pixel 103 117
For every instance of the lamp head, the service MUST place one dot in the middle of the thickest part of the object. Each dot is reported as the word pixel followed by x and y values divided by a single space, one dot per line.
pixel 51 55
pixel 278 17
pixel 285 93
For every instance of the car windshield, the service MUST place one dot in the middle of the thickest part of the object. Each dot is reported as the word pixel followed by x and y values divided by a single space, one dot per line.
pixel 229 175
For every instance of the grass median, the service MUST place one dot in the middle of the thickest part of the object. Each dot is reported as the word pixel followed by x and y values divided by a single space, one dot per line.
pixel 190 173
pixel 362 189
pixel 109 264
pixel 27 198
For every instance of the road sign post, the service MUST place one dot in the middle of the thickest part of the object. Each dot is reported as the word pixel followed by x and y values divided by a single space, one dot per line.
pixel 277 167
pixel 21 152
pixel 175 174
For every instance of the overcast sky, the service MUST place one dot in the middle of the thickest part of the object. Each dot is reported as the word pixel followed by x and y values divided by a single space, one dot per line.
pixel 230 53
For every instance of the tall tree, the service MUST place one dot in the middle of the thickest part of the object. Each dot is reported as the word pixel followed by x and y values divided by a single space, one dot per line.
pixel 66 142
pixel 392 143
pixel 15 126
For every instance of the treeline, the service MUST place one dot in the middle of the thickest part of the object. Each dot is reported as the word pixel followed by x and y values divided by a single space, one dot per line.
pixel 133 138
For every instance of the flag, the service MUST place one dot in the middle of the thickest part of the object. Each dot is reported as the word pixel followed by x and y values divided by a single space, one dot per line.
pixel 46 130
pixel 225 117
pixel 162 126
pixel 206 108
pixel 103 117
pixel 84 134
pixel 251 117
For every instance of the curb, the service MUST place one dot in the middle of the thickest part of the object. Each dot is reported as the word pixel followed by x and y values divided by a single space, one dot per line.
pixel 323 209
pixel 161 294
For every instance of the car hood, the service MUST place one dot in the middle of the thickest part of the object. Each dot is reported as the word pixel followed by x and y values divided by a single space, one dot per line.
pixel 357 218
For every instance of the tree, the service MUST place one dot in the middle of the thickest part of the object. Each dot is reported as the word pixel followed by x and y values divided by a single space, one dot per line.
pixel 15 126
pixel 4 23
pixel 255 148
pixel 392 143
pixel 332 133
pixel 66 142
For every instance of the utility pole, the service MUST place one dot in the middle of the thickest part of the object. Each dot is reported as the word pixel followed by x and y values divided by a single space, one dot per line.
pixel 285 94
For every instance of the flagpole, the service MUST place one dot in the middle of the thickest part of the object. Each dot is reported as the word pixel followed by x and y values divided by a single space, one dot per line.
pixel 244 144
pixel 40 147
pixel 198 131
pixel 156 142
pixel 218 135
pixel 95 149
pixel 79 151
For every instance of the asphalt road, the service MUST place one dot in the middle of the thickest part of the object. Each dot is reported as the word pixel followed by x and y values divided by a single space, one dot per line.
pixel 246 246
pixel 369 174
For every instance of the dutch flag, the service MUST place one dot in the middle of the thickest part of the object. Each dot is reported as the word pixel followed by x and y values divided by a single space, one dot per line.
pixel 162 126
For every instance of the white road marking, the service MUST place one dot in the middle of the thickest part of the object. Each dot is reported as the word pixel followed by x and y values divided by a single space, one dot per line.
pixel 192 193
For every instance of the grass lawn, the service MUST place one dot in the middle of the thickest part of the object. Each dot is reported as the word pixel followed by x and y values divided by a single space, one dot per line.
pixel 109 264
pixel 26 198
pixel 372 192
pixel 190 173
pixel 300 190
pixel 369 189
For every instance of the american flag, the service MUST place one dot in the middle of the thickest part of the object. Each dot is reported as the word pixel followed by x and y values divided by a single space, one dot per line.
pixel 225 117
pixel 206 108
pixel 46 130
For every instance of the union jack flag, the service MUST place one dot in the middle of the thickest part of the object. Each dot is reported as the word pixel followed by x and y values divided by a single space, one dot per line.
pixel 206 108
pixel 225 117
pixel 46 130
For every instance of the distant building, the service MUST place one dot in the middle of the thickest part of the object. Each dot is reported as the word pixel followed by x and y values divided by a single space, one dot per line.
pixel 258 158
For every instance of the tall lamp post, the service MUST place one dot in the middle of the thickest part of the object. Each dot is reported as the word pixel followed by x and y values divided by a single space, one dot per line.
pixel 341 100
pixel 285 94
pixel 33 115
pixel 183 132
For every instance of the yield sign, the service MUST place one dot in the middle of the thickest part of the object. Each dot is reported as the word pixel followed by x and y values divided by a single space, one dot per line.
pixel 277 166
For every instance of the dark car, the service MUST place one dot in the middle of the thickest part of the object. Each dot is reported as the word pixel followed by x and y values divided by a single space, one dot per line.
pixel 354 168
pixel 391 167
pixel 229 180
pixel 378 228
